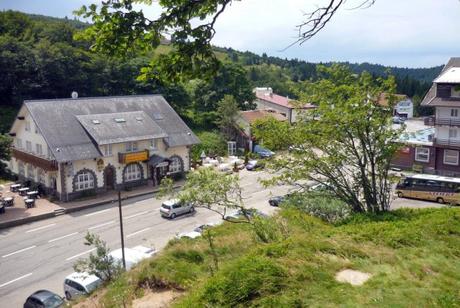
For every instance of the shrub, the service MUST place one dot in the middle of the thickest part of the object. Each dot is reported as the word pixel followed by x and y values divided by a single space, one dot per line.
pixel 192 256
pixel 269 230
pixel 242 281
pixel 321 205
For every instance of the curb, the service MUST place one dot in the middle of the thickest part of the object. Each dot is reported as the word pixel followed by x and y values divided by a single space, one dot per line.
pixel 22 221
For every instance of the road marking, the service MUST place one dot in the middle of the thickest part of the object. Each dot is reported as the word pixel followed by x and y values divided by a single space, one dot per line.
pixel 101 225
pixel 61 237
pixel 80 254
pixel 137 232
pixel 138 214
pixel 40 228
pixel 18 251
pixel 95 213
pixel 14 280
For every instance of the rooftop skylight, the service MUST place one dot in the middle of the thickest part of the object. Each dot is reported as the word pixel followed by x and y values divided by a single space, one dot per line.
pixel 120 120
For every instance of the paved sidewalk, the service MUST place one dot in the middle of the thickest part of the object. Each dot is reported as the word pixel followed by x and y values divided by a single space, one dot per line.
pixel 19 214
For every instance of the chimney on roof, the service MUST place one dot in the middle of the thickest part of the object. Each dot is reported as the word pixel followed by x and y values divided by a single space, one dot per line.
pixel 74 95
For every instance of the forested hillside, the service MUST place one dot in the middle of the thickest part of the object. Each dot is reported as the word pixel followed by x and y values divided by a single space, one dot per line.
pixel 40 58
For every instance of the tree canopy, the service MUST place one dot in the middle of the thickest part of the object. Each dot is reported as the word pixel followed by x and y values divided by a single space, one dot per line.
pixel 347 143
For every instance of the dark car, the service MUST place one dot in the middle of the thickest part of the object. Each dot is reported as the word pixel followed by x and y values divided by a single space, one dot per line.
pixel 398 120
pixel 276 200
pixel 44 299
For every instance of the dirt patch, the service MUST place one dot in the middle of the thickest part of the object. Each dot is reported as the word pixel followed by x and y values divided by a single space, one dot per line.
pixel 151 299
pixel 90 302
pixel 355 278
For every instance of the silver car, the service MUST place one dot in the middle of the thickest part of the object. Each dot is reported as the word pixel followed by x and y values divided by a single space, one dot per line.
pixel 78 284
pixel 173 208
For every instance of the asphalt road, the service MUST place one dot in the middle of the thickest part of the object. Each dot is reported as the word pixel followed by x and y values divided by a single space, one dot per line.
pixel 40 255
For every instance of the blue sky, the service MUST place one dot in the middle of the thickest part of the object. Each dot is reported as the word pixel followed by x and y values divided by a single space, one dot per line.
pixel 405 33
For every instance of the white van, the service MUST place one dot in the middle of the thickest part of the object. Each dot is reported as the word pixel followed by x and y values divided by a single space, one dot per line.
pixel 78 284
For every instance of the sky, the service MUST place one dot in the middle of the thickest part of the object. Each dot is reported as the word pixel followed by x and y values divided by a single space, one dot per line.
pixel 404 33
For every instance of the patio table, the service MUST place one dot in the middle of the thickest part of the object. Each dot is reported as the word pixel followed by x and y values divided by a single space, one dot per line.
pixel 29 203
pixel 23 191
pixel 32 194
pixel 8 201
pixel 15 187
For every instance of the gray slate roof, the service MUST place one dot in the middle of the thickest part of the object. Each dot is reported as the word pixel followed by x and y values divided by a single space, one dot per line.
pixel 107 128
pixel 430 98
pixel 67 138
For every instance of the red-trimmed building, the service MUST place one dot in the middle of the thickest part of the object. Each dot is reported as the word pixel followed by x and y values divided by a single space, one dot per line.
pixel 267 100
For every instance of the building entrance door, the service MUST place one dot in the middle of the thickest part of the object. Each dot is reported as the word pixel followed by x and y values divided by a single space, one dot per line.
pixel 159 172
pixel 109 177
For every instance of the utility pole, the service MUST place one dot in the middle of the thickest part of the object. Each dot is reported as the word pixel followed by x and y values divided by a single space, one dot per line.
pixel 121 231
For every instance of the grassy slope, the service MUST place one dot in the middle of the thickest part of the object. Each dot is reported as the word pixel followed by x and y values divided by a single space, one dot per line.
pixel 414 257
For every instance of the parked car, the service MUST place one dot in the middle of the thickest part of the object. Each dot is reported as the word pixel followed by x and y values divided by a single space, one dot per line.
pixel 132 255
pixel 320 187
pixel 197 232
pixel 242 213
pixel 262 152
pixel 398 120
pixel 78 284
pixel 173 208
pixel 44 299
pixel 277 200
pixel 253 165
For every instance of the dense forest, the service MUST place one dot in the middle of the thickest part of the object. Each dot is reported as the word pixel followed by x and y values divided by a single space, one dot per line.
pixel 42 57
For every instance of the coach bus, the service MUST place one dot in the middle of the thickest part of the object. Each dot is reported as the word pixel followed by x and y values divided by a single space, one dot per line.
pixel 430 187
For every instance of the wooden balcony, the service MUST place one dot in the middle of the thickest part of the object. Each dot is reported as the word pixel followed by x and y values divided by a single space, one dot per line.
pixel 447 121
pixel 446 142
pixel 133 157
pixel 40 162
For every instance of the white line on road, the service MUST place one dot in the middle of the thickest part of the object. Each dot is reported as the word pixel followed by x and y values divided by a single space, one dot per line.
pixel 98 212
pixel 18 251
pixel 138 214
pixel 101 225
pixel 40 228
pixel 61 237
pixel 137 232
pixel 14 280
pixel 80 254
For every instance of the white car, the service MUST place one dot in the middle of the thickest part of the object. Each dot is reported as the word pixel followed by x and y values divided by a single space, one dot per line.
pixel 132 255
pixel 197 232
pixel 78 284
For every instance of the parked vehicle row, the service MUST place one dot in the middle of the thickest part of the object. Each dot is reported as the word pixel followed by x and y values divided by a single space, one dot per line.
pixel 81 284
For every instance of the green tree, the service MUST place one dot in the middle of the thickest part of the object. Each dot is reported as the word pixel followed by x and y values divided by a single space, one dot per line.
pixel 119 29
pixel 101 263
pixel 211 143
pixel 5 152
pixel 349 145
pixel 272 133
pixel 210 189
pixel 227 111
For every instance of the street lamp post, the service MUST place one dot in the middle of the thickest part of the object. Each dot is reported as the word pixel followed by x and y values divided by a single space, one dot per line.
pixel 121 231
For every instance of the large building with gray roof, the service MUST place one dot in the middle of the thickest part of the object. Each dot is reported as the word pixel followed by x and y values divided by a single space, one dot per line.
pixel 84 146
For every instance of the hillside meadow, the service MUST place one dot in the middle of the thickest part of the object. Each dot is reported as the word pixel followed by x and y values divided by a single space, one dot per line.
pixel 412 255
